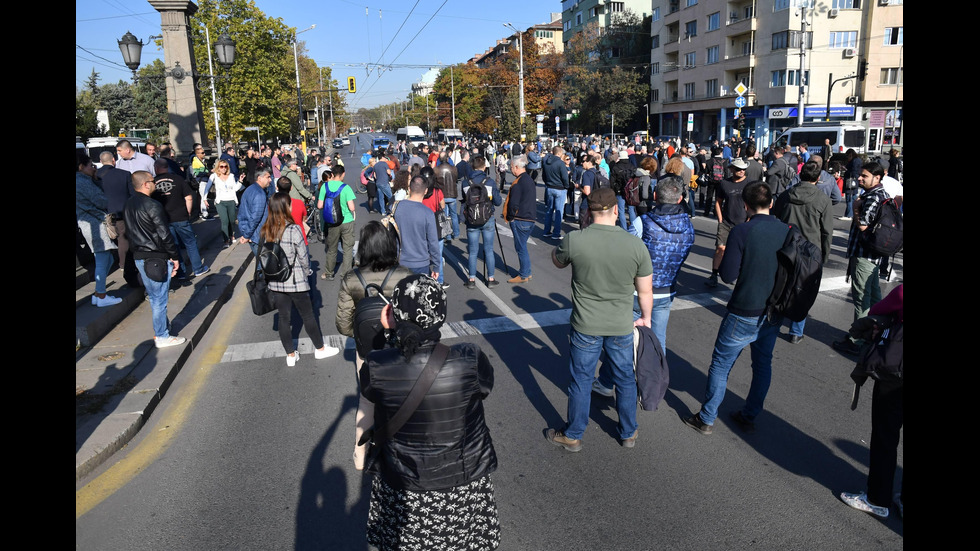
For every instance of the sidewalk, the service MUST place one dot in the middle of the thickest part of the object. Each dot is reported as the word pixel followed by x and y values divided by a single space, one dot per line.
pixel 120 377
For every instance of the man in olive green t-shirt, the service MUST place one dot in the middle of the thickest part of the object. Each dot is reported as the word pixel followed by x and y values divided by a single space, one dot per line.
pixel 607 265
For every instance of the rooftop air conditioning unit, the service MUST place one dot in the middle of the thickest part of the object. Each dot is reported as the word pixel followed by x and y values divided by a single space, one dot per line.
pixel 850 52
pixel 833 12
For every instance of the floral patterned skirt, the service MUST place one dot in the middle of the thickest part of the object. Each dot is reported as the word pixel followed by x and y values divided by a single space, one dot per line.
pixel 464 517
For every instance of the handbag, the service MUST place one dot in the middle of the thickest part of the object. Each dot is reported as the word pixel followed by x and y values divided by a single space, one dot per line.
pixel 110 226
pixel 444 224
pixel 259 294
pixel 376 437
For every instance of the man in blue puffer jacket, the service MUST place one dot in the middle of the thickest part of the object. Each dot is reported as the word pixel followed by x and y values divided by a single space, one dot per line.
pixel 254 209
pixel 668 235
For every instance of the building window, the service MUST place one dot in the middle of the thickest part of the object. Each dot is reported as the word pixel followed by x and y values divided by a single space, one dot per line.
pixel 617 7
pixel 578 18
pixel 614 52
pixel 711 56
pixel 714 21
pixel 846 4
pixel 568 25
pixel 655 68
pixel 711 88
pixel 655 94
pixel 780 5
pixel 689 90
pixel 792 74
pixel 689 3
pixel 749 11
pixel 893 36
pixel 690 29
pixel 655 42
pixel 747 48
pixel 804 3
pixel 778 79
pixel 656 14
pixel 689 59
pixel 843 39
pixel 892 76
pixel 791 39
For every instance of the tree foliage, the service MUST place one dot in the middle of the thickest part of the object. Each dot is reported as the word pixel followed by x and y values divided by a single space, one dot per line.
pixel 151 101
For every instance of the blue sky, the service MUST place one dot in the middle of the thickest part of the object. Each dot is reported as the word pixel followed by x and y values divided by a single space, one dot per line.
pixel 343 36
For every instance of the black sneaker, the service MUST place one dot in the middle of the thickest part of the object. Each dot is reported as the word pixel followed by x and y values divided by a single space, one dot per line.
pixel 742 422
pixel 697 424
pixel 470 284
pixel 492 283
pixel 712 281
pixel 795 339
pixel 847 346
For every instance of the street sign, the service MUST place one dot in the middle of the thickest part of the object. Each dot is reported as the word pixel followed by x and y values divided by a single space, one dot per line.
pixel 690 122
pixel 557 119
pixel 540 128
pixel 740 102
pixel 738 112
pixel 741 89
pixel 252 128
pixel 539 118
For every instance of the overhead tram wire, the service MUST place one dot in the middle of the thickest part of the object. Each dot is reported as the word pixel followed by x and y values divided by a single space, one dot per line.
pixel 407 45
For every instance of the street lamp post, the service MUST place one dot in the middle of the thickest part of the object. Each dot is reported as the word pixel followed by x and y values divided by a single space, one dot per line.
pixel 299 96
pixel 520 54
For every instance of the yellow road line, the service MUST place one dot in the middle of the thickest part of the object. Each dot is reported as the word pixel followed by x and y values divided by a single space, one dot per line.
pixel 172 420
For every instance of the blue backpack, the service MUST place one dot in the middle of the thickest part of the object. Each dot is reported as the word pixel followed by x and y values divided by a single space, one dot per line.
pixel 333 215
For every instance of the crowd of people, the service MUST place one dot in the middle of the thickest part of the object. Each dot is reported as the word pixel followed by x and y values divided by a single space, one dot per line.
pixel 619 214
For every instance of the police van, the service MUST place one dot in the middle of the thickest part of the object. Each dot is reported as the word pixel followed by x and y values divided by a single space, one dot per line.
pixel 842 136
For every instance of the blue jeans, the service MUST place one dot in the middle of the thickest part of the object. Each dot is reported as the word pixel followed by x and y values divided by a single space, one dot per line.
pixel 453 215
pixel 735 333
pixel 849 195
pixel 796 327
pixel 691 200
pixel 184 236
pixel 585 350
pixel 442 262
pixel 103 262
pixel 156 293
pixel 626 214
pixel 522 231
pixel 384 194
pixel 473 234
pixel 554 210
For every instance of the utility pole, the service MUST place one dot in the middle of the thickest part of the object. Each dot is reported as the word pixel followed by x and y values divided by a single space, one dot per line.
pixel 520 54
pixel 452 83
pixel 799 106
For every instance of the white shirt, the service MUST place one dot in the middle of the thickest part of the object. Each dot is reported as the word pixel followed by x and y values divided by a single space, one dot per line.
pixel 224 188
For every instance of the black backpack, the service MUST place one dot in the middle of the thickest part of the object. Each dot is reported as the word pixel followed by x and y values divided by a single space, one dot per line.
pixel 631 192
pixel 478 205
pixel 600 180
pixel 369 334
pixel 273 262
pixel 885 235
pixel 717 170
pixel 333 215
pixel 797 278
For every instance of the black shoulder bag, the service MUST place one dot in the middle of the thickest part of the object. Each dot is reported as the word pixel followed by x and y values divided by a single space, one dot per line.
pixel 378 436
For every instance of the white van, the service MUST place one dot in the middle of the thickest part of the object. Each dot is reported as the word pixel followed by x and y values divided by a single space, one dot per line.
pixel 450 134
pixel 411 135
pixel 842 136
pixel 98 145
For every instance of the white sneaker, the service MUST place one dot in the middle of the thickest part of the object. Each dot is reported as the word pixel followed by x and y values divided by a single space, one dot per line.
pixel 861 503
pixel 599 389
pixel 325 352
pixel 292 359
pixel 105 301
pixel 169 341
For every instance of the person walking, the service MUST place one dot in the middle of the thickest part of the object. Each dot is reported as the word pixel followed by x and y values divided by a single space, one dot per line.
pixel 295 291
pixel 489 196
pixel 226 186
pixel 344 232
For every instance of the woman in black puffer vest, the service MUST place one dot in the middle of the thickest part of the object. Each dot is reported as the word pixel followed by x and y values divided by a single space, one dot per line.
pixel 441 459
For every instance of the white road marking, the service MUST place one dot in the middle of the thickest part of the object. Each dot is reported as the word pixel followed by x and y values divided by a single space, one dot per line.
pixel 500 304
pixel 485 326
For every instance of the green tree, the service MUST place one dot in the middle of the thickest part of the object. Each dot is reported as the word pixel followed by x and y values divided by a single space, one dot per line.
pixel 86 124
pixel 118 100
pixel 261 85
pixel 151 101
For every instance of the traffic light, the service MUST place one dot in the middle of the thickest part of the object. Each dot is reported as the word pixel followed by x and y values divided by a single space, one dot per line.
pixel 862 69
pixel 740 123
pixel 351 86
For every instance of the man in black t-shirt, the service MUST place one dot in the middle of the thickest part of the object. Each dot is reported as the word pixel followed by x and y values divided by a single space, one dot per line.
pixel 177 198
pixel 730 210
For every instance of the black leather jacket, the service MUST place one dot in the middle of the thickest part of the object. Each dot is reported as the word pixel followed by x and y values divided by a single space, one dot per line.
pixel 445 443
pixel 148 229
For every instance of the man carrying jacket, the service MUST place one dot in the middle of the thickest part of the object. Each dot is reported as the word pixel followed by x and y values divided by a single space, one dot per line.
pixel 555 191
pixel 810 210
pixel 154 251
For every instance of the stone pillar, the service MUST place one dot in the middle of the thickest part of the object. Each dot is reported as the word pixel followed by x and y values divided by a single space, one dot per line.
pixel 183 98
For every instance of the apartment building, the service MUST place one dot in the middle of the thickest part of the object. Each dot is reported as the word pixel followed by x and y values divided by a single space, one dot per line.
pixel 576 14
pixel 703 49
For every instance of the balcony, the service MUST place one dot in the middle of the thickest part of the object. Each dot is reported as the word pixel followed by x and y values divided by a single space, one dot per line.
pixel 704 102
pixel 738 25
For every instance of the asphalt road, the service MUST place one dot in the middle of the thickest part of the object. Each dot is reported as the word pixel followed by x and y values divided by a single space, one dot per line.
pixel 245 453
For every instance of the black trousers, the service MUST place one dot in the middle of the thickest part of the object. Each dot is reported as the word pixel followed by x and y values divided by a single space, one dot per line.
pixel 887 411
pixel 285 303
